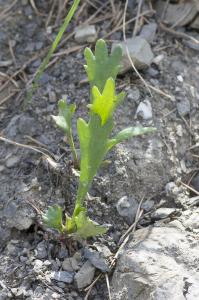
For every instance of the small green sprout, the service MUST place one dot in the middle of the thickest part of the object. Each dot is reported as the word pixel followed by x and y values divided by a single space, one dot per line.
pixel 63 120
pixel 94 137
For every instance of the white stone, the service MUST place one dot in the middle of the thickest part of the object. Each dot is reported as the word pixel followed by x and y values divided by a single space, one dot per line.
pixel 85 34
pixel 144 110
pixel 139 51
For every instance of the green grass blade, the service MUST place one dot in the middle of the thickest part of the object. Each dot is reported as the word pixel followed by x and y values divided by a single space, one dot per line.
pixel 54 46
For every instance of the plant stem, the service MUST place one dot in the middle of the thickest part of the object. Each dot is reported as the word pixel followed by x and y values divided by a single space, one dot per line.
pixel 54 45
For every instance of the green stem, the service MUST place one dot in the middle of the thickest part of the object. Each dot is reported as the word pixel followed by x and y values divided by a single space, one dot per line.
pixel 55 44
pixel 81 194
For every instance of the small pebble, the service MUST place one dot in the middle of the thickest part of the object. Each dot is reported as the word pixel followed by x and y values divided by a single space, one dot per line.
pixel 2 168
pixel 127 208
pixel 144 110
pixel 63 276
pixel 70 264
pixel 85 275
pixel 86 33
pixel 12 161
pixel 163 213
pixel 183 107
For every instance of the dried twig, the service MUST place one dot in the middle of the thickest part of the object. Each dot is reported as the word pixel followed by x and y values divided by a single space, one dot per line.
pixel 177 33
pixel 137 18
pixel 8 97
pixel 108 286
pixel 36 149
pixel 190 188
pixel 119 27
pixel 113 7
pixel 3 13
pixel 34 7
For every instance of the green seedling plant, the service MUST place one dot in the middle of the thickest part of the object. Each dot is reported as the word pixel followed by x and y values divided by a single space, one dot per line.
pixel 94 137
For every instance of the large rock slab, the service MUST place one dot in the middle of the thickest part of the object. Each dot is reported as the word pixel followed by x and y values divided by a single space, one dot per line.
pixel 160 263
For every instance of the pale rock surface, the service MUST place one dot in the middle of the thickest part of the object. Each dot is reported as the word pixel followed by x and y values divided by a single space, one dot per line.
pixel 140 53
pixel 158 264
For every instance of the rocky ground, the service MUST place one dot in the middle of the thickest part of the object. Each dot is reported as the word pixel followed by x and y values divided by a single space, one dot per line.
pixel 148 193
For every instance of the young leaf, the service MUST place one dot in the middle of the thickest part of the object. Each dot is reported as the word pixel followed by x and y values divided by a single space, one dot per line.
pixel 100 66
pixel 53 218
pixel 93 145
pixel 129 133
pixel 104 104
pixel 63 120
pixel 66 112
pixel 86 227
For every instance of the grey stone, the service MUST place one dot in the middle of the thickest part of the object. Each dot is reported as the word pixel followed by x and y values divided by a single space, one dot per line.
pixel 171 188
pixel 127 207
pixel 162 213
pixel 19 217
pixel 191 44
pixel 41 250
pixel 180 14
pixel 154 73
pixel 133 94
pixel 103 249
pixel 148 205
pixel 97 259
pixel 70 264
pixel 193 221
pixel 12 161
pixel 38 265
pixel 144 110
pixel 195 182
pixel 85 275
pixel 52 96
pixel 63 253
pixel 148 32
pixel 193 201
pixel 196 4
pixel 195 23
pixel 13 248
pixel 86 33
pixel 183 107
pixel 21 124
pixel 140 53
pixel 4 235
pixel 6 63
pixel 3 295
pixel 2 168
pixel 63 276
pixel 157 264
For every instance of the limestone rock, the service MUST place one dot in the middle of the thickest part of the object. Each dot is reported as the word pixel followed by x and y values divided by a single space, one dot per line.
pixel 85 34
pixel 157 265
pixel 180 14
pixel 140 53
pixel 85 275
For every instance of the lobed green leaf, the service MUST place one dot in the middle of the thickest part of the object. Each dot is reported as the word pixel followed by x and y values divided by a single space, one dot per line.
pixel 102 66
pixel 53 218
pixel 86 227
pixel 104 104
pixel 66 112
